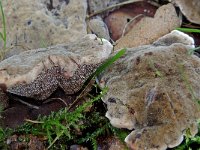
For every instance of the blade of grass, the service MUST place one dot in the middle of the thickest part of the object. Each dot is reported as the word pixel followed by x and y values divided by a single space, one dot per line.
pixel 105 65
pixel 3 36
pixel 188 30
pixel 113 6
pixel 109 62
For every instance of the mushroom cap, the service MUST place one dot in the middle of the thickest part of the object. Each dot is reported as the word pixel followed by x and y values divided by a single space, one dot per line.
pixel 38 73
pixel 150 92
pixel 190 8
pixel 35 24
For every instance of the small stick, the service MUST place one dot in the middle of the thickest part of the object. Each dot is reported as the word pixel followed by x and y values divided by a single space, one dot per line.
pixel 56 99
pixel 26 103
pixel 33 121
pixel 113 6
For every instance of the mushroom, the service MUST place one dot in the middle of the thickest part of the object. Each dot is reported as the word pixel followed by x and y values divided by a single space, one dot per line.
pixel 190 8
pixel 154 92
pixel 35 24
pixel 38 73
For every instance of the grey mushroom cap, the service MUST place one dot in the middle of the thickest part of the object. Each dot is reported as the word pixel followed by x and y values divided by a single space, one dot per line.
pixel 37 73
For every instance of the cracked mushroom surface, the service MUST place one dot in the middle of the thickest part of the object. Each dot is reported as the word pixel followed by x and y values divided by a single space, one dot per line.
pixel 38 73
pixel 154 91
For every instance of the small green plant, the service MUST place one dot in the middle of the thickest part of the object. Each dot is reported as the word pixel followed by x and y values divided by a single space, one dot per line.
pixel 92 137
pixel 54 123
pixel 3 33
pixel 62 127
pixel 105 129
pixel 59 125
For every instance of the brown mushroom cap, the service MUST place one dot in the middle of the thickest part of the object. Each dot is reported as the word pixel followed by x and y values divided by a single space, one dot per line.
pixel 150 92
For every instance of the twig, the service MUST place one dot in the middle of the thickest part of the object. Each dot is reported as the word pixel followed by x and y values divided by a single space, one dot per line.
pixel 34 121
pixel 113 6
pixel 26 103
pixel 56 99
pixel 154 3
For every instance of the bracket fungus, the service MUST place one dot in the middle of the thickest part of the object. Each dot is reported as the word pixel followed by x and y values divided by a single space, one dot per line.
pixel 154 91
pixel 38 73
pixel 190 8
pixel 43 23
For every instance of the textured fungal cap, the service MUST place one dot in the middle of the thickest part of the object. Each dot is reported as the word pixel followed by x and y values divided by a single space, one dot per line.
pixel 190 8
pixel 40 23
pixel 38 73
pixel 148 92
